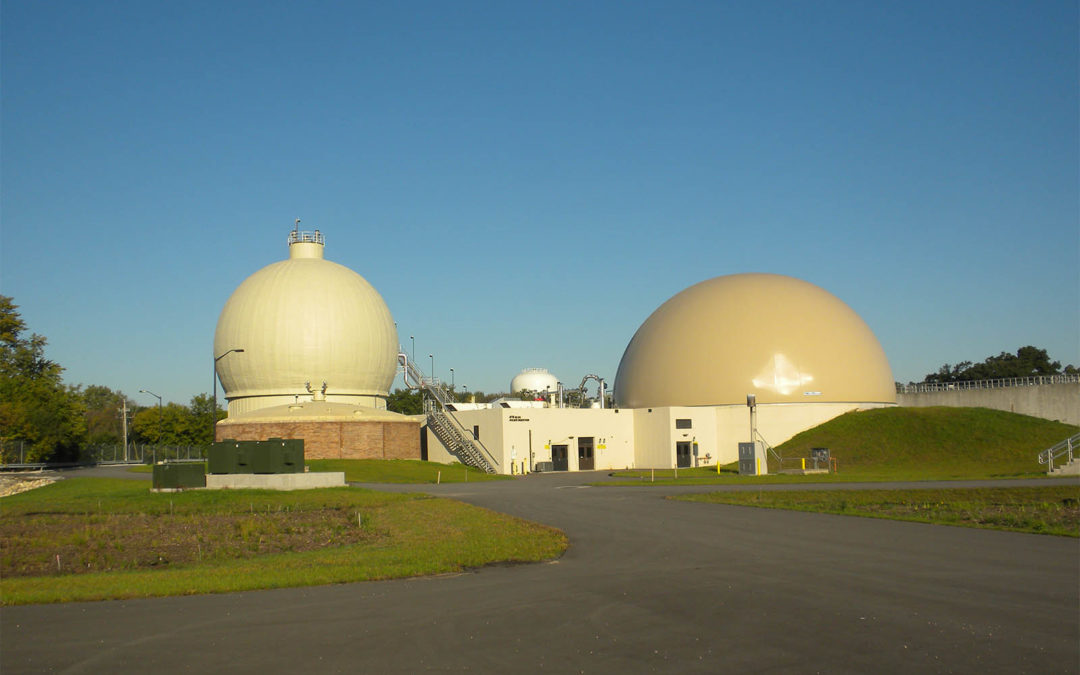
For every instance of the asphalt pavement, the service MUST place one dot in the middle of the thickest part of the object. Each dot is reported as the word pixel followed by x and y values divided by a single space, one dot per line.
pixel 647 585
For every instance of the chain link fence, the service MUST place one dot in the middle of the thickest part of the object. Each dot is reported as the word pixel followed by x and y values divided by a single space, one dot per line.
pixel 17 454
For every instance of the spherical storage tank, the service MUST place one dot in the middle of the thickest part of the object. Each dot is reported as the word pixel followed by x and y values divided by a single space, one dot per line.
pixel 303 322
pixel 534 379
pixel 782 339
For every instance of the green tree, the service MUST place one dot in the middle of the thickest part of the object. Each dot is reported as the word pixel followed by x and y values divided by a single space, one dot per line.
pixel 202 430
pixel 176 424
pixel 169 425
pixel 36 408
pixel 1026 362
pixel 405 402
pixel 103 409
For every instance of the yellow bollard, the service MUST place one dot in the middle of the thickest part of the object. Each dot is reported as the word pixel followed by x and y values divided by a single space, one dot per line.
pixel 804 463
pixel 758 467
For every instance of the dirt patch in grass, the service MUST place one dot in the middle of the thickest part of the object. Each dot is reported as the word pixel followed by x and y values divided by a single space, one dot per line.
pixel 38 544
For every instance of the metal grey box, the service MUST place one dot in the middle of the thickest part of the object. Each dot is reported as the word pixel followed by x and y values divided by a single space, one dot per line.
pixel 747 459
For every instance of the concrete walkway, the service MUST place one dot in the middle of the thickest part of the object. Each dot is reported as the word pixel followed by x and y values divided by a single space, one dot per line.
pixel 648 585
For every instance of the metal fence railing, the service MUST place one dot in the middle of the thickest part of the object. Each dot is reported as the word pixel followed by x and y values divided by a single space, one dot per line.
pixel 1065 449
pixel 15 454
pixel 1032 381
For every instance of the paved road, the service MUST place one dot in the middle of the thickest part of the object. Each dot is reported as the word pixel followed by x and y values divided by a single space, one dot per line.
pixel 648 585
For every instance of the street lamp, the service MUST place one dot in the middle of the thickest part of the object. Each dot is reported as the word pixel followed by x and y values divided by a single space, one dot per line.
pixel 432 357
pixel 412 339
pixel 213 411
pixel 452 393
pixel 147 391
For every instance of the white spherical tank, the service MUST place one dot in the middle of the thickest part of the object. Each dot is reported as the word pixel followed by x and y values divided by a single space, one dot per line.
pixel 782 339
pixel 534 379
pixel 303 322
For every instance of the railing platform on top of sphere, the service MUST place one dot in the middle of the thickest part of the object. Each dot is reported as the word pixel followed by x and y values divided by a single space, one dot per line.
pixel 298 237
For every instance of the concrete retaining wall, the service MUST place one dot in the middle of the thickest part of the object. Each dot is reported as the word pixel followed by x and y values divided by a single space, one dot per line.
pixel 1059 402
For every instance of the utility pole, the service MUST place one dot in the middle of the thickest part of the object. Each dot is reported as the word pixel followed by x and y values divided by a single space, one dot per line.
pixel 123 418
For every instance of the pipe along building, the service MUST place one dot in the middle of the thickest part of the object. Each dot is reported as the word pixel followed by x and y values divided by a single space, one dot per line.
pixel 730 360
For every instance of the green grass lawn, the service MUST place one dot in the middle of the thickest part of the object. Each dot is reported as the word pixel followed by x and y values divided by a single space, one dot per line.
pixel 97 539
pixel 402 471
pixel 1040 510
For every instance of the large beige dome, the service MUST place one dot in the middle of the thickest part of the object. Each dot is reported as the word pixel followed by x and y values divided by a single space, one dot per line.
pixel 782 339
pixel 303 322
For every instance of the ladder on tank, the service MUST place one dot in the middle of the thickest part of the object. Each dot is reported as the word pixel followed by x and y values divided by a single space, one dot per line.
pixel 442 421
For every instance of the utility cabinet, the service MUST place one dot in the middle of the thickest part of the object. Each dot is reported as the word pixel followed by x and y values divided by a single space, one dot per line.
pixel 752 459
pixel 176 476
pixel 274 455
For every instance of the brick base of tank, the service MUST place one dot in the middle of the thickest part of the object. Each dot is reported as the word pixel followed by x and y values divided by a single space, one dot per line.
pixel 335 440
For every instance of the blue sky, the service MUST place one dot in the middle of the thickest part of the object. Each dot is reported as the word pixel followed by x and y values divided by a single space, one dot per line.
pixel 525 183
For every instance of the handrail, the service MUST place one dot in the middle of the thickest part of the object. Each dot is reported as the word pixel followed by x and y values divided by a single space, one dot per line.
pixel 298 237
pixel 440 413
pixel 1031 381
pixel 769 448
pixel 1065 447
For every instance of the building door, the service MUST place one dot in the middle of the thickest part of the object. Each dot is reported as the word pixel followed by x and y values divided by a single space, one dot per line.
pixel 682 454
pixel 585 459
pixel 560 458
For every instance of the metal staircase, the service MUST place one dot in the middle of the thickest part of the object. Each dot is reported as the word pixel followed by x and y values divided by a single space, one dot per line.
pixel 1067 449
pixel 441 420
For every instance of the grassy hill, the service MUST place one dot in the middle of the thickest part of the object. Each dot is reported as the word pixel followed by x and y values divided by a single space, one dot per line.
pixel 956 441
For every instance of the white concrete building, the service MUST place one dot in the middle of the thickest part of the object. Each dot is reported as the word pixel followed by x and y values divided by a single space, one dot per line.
pixel 682 385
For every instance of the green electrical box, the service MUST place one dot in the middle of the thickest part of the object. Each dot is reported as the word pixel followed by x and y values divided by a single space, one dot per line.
pixel 176 476
pixel 274 455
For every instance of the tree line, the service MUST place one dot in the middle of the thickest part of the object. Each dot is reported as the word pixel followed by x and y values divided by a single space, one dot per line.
pixel 51 421
pixel 1028 361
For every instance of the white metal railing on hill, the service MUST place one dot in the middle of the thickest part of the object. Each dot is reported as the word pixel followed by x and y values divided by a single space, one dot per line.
pixel 1067 449
pixel 1032 381
pixel 442 421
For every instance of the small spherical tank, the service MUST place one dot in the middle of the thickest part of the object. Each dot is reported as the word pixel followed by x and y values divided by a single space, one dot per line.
pixel 534 379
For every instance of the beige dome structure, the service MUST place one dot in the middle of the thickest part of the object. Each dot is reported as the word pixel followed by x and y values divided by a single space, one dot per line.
pixel 308 349
pixel 303 322
pixel 780 338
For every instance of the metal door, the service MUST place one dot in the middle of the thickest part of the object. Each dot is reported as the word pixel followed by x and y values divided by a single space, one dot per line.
pixel 682 454
pixel 585 459
pixel 560 458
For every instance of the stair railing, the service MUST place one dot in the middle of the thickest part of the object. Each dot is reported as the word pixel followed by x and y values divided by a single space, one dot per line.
pixel 1066 448
pixel 442 421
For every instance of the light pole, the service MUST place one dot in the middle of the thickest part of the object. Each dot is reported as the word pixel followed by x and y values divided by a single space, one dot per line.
pixel 159 419
pixel 412 339
pixel 452 392
pixel 432 357
pixel 213 411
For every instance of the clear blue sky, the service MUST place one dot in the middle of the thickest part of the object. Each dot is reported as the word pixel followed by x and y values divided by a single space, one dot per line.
pixel 525 183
